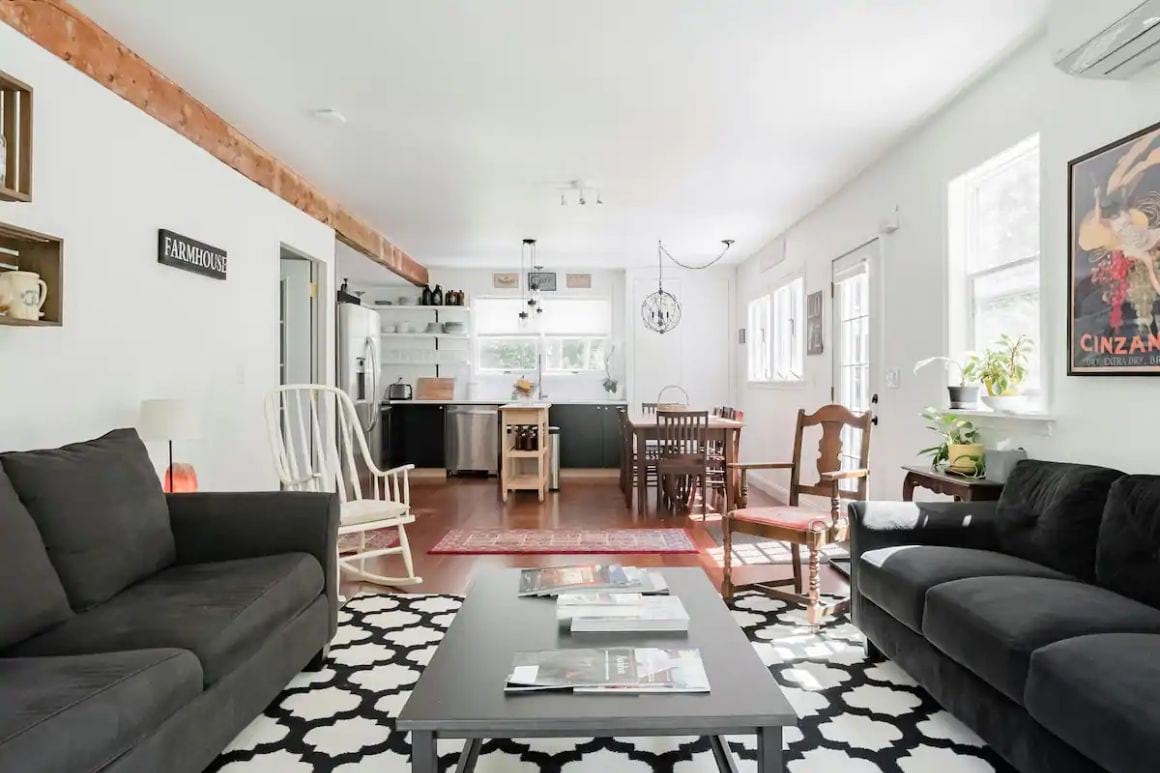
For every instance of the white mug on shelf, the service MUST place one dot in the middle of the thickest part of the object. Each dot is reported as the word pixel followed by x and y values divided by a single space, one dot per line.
pixel 22 294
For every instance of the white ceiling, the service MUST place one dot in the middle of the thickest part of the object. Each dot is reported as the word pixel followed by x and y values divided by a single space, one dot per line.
pixel 698 120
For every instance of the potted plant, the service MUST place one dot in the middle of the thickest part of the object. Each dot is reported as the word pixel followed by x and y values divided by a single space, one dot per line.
pixel 1001 372
pixel 966 394
pixel 960 450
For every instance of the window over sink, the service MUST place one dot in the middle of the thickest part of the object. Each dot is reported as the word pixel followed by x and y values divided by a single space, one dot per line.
pixel 572 333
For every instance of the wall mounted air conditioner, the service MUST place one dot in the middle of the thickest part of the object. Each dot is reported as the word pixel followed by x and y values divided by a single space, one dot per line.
pixel 1112 39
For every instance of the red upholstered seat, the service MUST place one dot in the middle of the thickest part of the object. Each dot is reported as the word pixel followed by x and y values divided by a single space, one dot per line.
pixel 786 517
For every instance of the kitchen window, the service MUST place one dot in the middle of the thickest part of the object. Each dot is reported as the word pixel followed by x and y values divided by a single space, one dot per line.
pixel 787 314
pixel 572 333
pixel 993 227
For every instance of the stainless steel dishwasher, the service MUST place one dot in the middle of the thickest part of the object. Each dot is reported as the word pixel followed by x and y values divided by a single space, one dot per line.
pixel 472 435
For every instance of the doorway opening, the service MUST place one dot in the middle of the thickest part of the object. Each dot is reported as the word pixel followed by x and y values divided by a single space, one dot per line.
pixel 299 319
pixel 850 290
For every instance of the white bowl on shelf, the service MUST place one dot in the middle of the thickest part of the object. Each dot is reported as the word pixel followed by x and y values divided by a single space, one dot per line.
pixel 1005 403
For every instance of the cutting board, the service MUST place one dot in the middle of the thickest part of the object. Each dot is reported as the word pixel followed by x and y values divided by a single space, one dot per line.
pixel 434 389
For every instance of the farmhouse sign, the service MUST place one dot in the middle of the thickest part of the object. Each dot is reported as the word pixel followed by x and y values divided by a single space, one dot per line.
pixel 179 251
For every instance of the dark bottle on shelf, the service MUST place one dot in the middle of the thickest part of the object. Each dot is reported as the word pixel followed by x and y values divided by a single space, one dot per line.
pixel 437 296
pixel 425 299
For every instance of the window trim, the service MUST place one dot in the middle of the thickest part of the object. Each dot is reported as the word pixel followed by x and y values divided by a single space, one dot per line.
pixel 766 299
pixel 799 326
pixel 960 208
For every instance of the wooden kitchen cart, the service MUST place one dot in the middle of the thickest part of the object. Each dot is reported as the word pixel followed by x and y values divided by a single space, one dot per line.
pixel 523 470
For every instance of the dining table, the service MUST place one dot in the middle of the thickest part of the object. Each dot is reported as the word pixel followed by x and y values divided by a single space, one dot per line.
pixel 642 427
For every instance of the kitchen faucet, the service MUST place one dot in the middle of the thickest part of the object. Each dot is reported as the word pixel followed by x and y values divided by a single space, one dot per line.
pixel 540 376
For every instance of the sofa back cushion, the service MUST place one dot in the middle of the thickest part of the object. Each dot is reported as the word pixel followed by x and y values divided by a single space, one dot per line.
pixel 1050 513
pixel 31 596
pixel 1128 554
pixel 101 512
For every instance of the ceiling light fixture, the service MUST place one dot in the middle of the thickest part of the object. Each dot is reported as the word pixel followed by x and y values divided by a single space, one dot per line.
pixel 330 115
pixel 581 190
pixel 660 311
pixel 528 246
pixel 727 242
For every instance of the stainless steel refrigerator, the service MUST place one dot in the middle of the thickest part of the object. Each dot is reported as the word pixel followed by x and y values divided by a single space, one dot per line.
pixel 360 372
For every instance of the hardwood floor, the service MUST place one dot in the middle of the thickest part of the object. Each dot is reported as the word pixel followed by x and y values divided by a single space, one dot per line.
pixel 584 501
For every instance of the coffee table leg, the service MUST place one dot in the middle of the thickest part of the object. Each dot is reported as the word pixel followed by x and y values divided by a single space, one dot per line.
pixel 423 756
pixel 769 750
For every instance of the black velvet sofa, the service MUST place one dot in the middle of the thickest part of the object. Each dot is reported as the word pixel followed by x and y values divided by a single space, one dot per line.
pixel 1034 620
pixel 141 631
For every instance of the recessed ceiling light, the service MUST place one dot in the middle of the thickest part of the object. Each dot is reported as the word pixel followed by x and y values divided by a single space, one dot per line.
pixel 329 115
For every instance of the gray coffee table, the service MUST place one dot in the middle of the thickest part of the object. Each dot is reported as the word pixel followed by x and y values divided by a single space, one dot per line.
pixel 461 692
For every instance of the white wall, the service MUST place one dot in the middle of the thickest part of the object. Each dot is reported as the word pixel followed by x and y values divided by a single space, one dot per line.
pixel 106 177
pixel 1106 420
pixel 478 283
pixel 698 355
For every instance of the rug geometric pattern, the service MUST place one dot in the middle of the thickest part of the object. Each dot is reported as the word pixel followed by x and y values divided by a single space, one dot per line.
pixel 854 716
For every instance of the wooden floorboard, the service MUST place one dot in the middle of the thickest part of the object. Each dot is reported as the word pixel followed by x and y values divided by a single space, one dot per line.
pixel 584 502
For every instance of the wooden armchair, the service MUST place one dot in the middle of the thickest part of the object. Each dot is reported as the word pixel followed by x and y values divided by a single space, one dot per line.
pixel 800 526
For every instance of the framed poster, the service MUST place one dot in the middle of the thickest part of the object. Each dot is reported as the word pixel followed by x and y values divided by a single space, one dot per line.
pixel 505 281
pixel 1113 245
pixel 542 280
pixel 814 323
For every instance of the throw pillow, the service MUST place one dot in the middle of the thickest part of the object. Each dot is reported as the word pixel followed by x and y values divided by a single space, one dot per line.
pixel 101 512
pixel 1128 555
pixel 1050 513
pixel 31 596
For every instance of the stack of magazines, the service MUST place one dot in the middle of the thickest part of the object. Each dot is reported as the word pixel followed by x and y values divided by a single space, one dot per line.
pixel 604 612
pixel 591 578
pixel 613 670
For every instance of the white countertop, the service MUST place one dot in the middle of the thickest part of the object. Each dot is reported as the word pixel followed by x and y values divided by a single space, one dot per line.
pixel 502 402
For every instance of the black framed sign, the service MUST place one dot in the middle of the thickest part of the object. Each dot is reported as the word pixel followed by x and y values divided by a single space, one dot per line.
pixel 179 251
pixel 542 280
pixel 1113 225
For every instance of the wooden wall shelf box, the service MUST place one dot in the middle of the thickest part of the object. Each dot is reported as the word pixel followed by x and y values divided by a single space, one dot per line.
pixel 25 250
pixel 16 126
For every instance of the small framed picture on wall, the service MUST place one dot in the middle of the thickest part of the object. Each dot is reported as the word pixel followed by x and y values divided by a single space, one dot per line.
pixel 814 302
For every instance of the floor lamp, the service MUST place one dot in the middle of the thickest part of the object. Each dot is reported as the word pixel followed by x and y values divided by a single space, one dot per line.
pixel 171 419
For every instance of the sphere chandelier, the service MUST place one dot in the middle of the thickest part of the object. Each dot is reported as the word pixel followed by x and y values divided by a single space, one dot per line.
pixel 660 311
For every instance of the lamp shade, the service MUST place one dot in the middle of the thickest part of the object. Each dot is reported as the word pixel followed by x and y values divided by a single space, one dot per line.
pixel 169 419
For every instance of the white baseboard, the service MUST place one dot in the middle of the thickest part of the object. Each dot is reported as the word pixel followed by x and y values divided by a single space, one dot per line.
pixel 763 482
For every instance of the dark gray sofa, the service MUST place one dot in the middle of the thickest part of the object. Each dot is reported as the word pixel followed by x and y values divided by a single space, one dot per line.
pixel 1033 619
pixel 141 631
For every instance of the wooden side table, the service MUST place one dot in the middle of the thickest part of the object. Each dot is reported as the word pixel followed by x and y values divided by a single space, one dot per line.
pixel 523 470
pixel 962 488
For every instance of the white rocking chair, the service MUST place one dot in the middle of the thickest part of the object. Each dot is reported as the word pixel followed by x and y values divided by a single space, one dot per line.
pixel 307 457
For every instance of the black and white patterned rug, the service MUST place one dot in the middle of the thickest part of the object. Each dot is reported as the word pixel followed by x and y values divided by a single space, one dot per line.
pixel 855 716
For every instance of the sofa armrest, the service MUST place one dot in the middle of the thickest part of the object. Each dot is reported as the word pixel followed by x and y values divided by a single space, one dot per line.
pixel 221 526
pixel 876 525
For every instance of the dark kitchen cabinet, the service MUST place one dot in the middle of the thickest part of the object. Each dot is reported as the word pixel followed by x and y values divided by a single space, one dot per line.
pixel 589 434
pixel 416 435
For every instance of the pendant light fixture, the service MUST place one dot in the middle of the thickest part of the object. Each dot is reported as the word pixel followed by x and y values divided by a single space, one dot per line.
pixel 660 311
pixel 528 245
pixel 727 242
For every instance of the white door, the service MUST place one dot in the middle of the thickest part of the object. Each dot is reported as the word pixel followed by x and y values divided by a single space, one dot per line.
pixel 852 387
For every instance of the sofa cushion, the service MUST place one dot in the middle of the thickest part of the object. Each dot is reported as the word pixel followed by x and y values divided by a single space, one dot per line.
pixel 1101 694
pixel 897 578
pixel 221 611
pixel 1128 553
pixel 100 510
pixel 31 596
pixel 1050 513
pixel 80 713
pixel 991 625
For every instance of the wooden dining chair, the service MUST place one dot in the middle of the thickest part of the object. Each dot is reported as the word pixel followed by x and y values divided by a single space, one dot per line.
pixel 628 458
pixel 683 456
pixel 799 526
pixel 719 477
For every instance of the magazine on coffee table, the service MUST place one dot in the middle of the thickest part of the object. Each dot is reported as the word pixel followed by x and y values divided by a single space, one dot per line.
pixel 613 669
pixel 590 578
pixel 612 612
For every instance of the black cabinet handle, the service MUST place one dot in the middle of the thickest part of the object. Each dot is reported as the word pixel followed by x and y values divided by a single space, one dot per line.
pixel 874 403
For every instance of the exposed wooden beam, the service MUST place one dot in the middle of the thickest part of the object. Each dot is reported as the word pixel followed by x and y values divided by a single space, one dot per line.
pixel 66 32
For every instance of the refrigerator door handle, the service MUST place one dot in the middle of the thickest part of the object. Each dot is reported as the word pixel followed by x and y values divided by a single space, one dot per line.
pixel 375 376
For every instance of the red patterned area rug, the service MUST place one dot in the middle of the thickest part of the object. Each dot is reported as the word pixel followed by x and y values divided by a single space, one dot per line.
pixel 564 541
